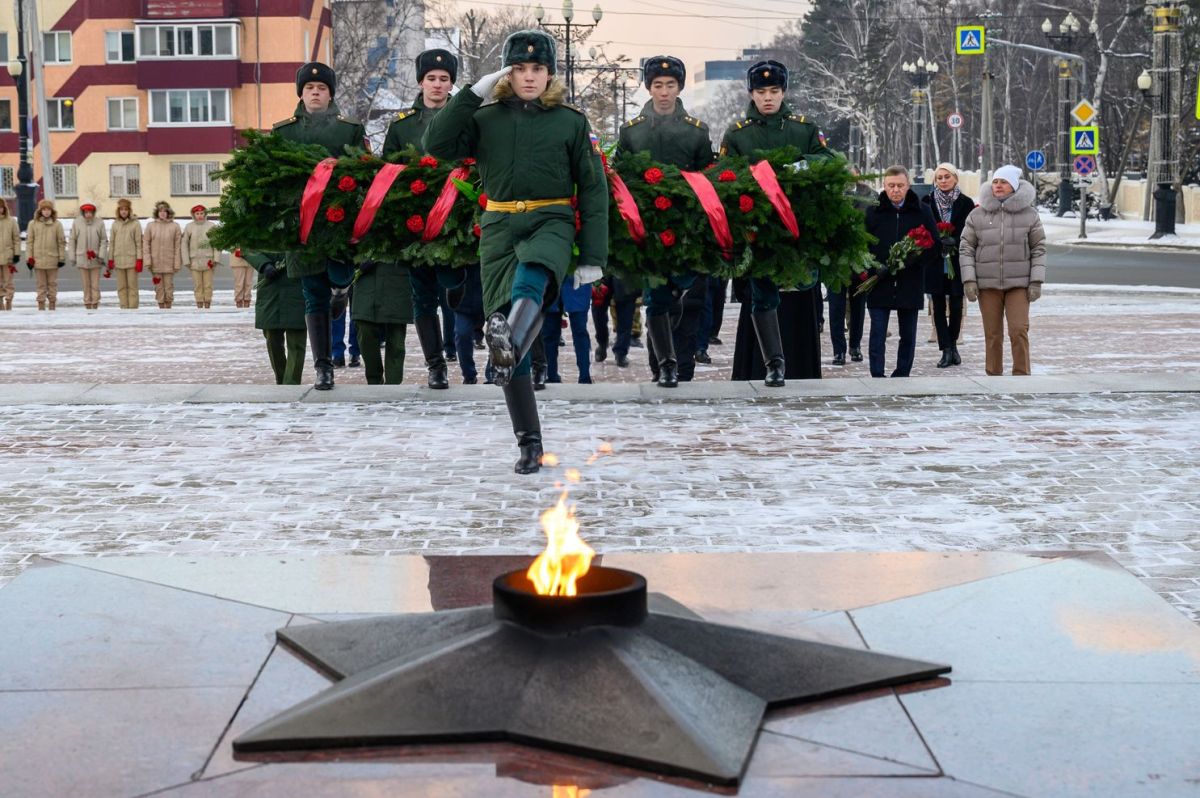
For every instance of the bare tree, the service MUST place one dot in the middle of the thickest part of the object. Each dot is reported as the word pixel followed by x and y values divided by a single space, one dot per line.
pixel 482 34
pixel 374 43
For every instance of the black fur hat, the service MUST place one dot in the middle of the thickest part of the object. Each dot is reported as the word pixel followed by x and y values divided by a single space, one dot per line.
pixel 664 66
pixel 315 71
pixel 767 73
pixel 437 59
pixel 531 46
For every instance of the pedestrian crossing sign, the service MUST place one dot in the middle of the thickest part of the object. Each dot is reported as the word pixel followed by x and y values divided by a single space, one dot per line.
pixel 970 40
pixel 1085 140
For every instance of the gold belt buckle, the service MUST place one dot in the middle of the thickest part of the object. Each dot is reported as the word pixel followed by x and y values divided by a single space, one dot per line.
pixel 520 206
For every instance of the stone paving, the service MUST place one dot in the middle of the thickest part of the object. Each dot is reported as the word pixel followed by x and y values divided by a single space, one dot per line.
pixel 976 471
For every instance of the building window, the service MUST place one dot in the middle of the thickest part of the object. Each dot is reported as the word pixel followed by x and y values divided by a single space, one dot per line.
pixel 118 47
pixel 60 113
pixel 6 119
pixel 194 179
pixel 212 40
pixel 122 113
pixel 4 46
pixel 64 179
pixel 124 180
pixel 189 107
pixel 56 47
pixel 8 182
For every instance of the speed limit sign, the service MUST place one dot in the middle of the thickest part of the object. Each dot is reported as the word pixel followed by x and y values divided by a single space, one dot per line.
pixel 955 120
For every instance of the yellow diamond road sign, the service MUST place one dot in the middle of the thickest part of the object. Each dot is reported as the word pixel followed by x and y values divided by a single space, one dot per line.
pixel 1084 112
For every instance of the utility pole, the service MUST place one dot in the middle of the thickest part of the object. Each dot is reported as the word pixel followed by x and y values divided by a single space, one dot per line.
pixel 1068 32
pixel 1166 74
pixel 26 188
pixel 39 70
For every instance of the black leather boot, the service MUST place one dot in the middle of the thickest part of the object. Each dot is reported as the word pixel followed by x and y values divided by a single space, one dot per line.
pixel 320 340
pixel 955 360
pixel 338 299
pixel 947 359
pixel 659 329
pixel 522 411
pixel 539 376
pixel 429 333
pixel 510 337
pixel 839 359
pixel 766 325
pixel 856 355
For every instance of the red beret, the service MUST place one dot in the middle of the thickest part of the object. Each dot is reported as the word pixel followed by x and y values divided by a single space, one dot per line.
pixel 198 208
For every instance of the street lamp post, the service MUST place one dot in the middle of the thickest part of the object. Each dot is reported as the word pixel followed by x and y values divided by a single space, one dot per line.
pixel 1144 82
pixel 568 12
pixel 26 188
pixel 1166 80
pixel 920 73
pixel 1068 32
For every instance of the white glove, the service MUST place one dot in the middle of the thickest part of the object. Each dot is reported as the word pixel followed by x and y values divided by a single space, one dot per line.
pixel 799 166
pixel 482 88
pixel 586 275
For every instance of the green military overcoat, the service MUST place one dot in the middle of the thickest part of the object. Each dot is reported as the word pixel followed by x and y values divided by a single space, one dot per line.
pixel 757 133
pixel 408 127
pixel 528 150
pixel 383 295
pixel 335 133
pixel 279 304
pixel 675 138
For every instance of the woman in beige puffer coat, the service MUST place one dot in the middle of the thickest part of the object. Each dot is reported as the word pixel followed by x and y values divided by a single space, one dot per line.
pixel 125 253
pixel 1002 252
pixel 160 249
pixel 45 252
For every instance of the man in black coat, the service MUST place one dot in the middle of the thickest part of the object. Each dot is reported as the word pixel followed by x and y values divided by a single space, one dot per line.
pixel 902 290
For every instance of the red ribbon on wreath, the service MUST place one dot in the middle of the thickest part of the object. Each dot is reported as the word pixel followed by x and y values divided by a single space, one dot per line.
pixel 627 208
pixel 715 210
pixel 384 178
pixel 764 173
pixel 440 211
pixel 310 201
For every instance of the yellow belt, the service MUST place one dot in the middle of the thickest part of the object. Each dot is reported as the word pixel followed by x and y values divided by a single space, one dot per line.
pixel 522 206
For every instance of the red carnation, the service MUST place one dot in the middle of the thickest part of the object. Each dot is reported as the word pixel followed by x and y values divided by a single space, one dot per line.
pixel 347 183
pixel 156 279
pixel 667 237
pixel 662 203
pixel 335 215
pixel 428 161
pixel 415 223
pixel 483 201
pixel 945 228
pixel 477 231
pixel 727 176
pixel 365 158
pixel 653 175
pixel 745 203
pixel 417 186
pixel 237 253
pixel 469 161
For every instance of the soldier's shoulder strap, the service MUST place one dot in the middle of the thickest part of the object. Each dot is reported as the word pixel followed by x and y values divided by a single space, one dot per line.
pixel 743 123
pixel 574 108
pixel 283 123
pixel 694 122
pixel 349 120
pixel 400 117
pixel 637 120
pixel 801 118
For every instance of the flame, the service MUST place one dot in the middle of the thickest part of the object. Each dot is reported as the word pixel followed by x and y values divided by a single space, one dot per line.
pixel 566 558
pixel 605 448
pixel 568 791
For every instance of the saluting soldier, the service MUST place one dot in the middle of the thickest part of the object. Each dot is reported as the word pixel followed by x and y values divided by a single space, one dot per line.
pixel 437 70
pixel 279 313
pixel 671 136
pixel 326 284
pixel 534 152
pixel 770 124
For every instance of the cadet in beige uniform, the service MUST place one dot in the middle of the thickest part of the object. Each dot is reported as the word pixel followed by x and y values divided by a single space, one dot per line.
pixel 200 256
pixel 125 253
pixel 161 251
pixel 45 252
pixel 10 256
pixel 243 278
pixel 89 251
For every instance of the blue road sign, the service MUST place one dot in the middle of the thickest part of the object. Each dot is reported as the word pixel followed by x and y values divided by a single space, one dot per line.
pixel 1085 140
pixel 1084 165
pixel 1035 161
pixel 970 40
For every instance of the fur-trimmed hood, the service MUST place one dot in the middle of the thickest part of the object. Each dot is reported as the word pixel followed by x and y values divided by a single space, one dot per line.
pixel 46 204
pixel 552 97
pixel 1024 197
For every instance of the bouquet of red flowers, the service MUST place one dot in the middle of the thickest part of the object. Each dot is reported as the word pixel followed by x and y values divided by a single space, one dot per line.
pixel 917 241
pixel 946 233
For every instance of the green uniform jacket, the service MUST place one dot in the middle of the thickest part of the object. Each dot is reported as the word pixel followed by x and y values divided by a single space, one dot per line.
pixel 408 127
pixel 675 138
pixel 383 296
pixel 541 149
pixel 335 133
pixel 279 304
pixel 758 133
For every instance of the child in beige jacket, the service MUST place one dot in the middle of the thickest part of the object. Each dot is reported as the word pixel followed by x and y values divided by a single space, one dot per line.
pixel 161 252
pixel 45 252
pixel 89 252
pixel 10 255
pixel 200 256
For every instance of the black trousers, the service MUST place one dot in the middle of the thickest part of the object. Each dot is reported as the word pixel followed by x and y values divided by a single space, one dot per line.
pixel 947 329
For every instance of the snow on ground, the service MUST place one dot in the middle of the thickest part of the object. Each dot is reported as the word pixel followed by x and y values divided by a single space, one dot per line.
pixel 1132 233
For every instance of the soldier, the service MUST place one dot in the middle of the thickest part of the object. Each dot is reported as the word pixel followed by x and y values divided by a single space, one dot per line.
pixel 534 152
pixel 125 254
pixel 671 136
pixel 45 252
pixel 437 70
pixel 769 125
pixel 160 249
pixel 89 251
pixel 382 309
pixel 200 256
pixel 10 255
pixel 243 279
pixel 326 284
pixel 279 313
